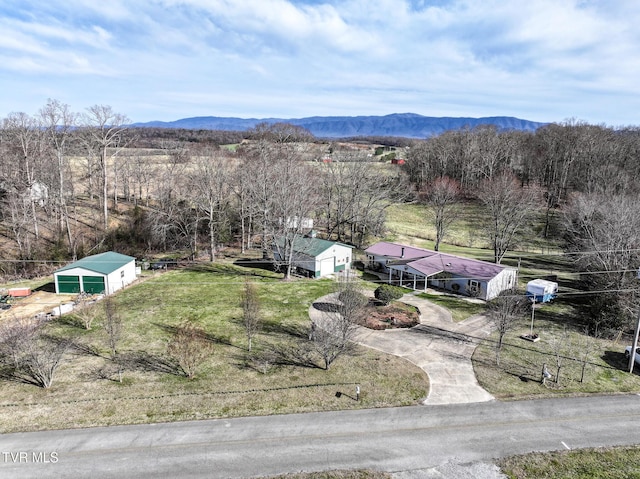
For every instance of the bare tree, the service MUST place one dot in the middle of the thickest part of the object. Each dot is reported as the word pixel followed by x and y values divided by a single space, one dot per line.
pixel 251 315
pixel 189 347
pixel 211 191
pixel 510 207
pixel 15 333
pixel 505 311
pixel 58 122
pixel 86 310
pixel 604 236
pixel 105 134
pixel 333 330
pixel 587 347
pixel 42 357
pixel 442 197
pixel 112 325
pixel 355 197
pixel 283 197
pixel 32 355
pixel 559 345
pixel 25 134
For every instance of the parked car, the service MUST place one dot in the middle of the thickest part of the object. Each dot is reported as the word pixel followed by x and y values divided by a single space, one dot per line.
pixel 627 353
pixel 165 263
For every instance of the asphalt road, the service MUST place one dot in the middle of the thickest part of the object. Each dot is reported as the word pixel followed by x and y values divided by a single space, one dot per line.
pixel 397 439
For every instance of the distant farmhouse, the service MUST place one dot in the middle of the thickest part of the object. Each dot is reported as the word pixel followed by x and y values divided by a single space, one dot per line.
pixel 315 257
pixel 419 268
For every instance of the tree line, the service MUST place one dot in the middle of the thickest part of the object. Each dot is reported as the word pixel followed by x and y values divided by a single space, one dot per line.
pixel 77 183
pixel 577 182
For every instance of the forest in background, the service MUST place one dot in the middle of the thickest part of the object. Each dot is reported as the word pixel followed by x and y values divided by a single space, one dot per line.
pixel 75 184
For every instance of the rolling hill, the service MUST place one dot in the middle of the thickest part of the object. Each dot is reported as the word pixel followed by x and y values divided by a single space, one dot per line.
pixel 408 125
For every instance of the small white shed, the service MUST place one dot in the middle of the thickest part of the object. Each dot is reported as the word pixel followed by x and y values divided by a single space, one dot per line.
pixel 102 273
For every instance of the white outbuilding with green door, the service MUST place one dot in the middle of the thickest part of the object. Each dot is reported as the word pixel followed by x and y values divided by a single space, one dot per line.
pixel 102 273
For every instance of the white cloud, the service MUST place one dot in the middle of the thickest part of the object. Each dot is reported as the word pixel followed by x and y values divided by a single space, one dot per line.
pixel 523 58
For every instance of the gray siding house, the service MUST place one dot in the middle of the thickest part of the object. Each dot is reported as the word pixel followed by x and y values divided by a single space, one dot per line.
pixel 418 268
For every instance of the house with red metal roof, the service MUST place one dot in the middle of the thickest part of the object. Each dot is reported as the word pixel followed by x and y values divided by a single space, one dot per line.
pixel 419 268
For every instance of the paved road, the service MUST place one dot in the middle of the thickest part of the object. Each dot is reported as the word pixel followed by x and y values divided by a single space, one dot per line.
pixel 396 439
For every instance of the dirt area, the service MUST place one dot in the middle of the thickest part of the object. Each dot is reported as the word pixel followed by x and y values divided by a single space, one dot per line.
pixel 37 302
pixel 391 317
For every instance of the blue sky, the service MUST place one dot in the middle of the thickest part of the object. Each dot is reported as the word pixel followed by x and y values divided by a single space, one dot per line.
pixel 542 60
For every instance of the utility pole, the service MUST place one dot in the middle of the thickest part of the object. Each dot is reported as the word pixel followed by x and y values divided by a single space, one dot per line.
pixel 632 356
pixel 533 312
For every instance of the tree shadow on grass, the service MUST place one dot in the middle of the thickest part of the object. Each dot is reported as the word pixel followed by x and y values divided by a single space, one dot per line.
pixel 275 327
pixel 12 374
pixel 81 348
pixel 272 355
pixel 70 320
pixel 171 329
pixel 147 362
pixel 617 360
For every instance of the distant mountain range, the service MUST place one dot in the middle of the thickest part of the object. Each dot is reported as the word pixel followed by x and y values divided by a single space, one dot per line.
pixel 407 125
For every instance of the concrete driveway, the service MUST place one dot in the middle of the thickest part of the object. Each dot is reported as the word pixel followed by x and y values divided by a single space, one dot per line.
pixel 437 345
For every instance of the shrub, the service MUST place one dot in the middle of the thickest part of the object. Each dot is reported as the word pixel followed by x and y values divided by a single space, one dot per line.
pixel 387 293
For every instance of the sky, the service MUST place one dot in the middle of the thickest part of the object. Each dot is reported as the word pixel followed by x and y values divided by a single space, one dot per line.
pixel 540 60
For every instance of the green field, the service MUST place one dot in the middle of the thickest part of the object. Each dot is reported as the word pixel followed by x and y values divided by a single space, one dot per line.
pixel 610 463
pixel 232 382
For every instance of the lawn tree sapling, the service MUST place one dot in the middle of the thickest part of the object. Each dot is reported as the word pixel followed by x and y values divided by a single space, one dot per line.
pixel 587 348
pixel 333 330
pixel 28 353
pixel 505 311
pixel 113 328
pixel 559 344
pixel 190 347
pixel 251 315
pixel 86 310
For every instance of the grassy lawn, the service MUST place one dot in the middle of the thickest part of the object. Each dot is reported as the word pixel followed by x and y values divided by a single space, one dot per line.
pixel 357 474
pixel 411 224
pixel 520 370
pixel 610 463
pixel 459 308
pixel 232 382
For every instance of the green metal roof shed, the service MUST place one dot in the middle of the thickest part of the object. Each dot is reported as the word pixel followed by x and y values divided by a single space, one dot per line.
pixel 100 273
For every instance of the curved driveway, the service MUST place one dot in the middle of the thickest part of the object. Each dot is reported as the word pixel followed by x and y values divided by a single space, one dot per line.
pixel 437 345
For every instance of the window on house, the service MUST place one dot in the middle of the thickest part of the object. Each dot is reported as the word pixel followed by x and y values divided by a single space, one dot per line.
pixel 122 274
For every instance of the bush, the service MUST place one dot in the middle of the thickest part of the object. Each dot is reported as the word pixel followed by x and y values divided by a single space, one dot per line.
pixel 387 293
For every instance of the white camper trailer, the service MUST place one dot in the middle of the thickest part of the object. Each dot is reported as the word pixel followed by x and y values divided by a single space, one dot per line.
pixel 541 290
